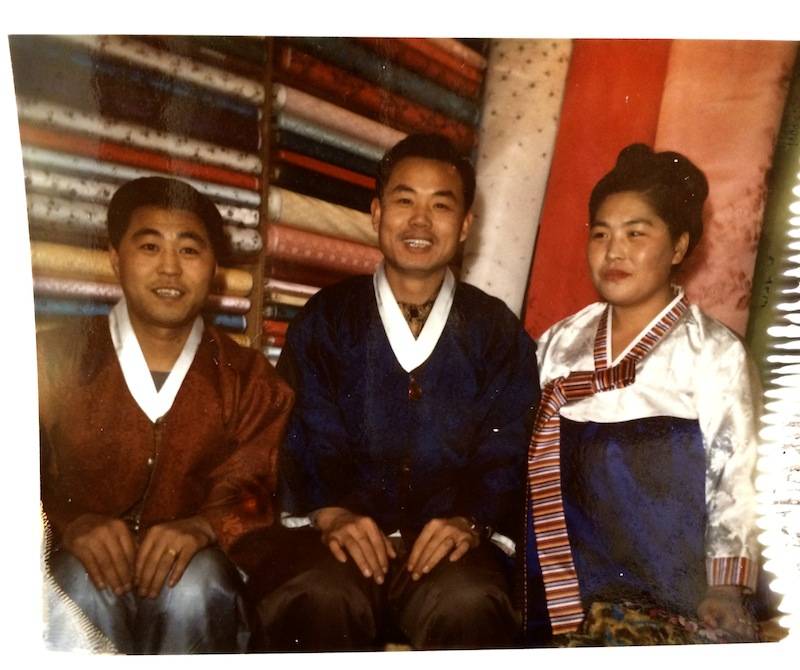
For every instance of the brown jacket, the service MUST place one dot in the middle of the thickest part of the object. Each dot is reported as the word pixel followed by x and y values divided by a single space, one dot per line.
pixel 214 453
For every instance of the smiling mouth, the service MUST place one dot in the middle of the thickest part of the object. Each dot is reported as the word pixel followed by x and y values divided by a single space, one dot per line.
pixel 171 293
pixel 615 275
pixel 417 243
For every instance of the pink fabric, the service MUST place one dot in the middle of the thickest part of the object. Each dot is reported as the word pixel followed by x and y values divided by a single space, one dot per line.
pixel 722 107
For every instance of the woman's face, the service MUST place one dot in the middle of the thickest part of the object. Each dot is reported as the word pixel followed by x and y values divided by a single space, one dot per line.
pixel 631 253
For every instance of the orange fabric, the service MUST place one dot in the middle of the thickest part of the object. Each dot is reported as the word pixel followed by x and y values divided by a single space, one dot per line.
pixel 612 98
pixel 436 53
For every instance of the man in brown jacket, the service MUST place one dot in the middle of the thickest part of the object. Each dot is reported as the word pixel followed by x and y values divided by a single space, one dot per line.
pixel 159 438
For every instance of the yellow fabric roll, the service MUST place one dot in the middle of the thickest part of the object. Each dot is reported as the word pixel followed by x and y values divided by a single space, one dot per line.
pixel 318 216
pixel 63 260
pixel 240 339
pixel 284 298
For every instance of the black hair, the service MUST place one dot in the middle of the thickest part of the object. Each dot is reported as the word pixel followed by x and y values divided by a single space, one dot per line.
pixel 167 193
pixel 674 186
pixel 434 147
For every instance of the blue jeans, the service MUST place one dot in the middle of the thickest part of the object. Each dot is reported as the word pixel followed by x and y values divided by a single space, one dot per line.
pixel 203 612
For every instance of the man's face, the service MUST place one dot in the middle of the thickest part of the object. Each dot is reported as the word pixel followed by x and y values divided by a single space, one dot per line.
pixel 420 218
pixel 165 264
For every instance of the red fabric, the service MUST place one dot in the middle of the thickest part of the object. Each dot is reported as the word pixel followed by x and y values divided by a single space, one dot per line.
pixel 328 169
pixel 329 82
pixel 448 60
pixel 289 270
pixel 611 99
pixel 320 251
pixel 414 60
pixel 275 328
pixel 117 153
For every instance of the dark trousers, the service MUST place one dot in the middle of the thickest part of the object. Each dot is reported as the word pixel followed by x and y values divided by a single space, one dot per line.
pixel 328 606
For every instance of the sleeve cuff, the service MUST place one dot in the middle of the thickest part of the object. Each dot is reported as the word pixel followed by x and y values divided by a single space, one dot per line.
pixel 732 571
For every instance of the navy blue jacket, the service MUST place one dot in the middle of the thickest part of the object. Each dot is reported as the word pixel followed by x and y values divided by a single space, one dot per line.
pixel 358 439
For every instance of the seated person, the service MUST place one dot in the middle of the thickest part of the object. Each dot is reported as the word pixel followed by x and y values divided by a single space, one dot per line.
pixel 407 445
pixel 159 438
pixel 642 502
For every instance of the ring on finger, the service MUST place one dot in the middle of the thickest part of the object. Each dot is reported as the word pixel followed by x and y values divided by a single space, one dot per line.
pixel 172 552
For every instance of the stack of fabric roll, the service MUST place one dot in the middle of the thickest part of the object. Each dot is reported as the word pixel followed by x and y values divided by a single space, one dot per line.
pixel 97 111
pixel 338 105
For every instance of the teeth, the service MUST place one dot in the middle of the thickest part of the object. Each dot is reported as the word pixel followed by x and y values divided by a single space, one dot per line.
pixel 168 292
pixel 418 244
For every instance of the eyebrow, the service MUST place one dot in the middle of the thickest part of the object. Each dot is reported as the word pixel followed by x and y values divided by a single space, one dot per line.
pixel 404 188
pixel 630 222
pixel 183 235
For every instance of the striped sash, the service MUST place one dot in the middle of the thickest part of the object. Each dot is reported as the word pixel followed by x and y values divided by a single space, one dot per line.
pixel 544 466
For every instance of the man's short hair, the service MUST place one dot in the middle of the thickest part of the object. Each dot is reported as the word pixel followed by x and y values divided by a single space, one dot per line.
pixel 431 146
pixel 167 193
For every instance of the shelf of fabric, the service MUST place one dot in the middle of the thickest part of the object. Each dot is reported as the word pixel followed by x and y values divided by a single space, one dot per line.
pixel 307 146
pixel 292 270
pixel 326 169
pixel 128 93
pixel 277 312
pixel 403 54
pixel 324 80
pixel 354 58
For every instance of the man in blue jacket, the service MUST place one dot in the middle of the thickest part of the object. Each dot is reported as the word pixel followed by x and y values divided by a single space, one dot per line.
pixel 405 453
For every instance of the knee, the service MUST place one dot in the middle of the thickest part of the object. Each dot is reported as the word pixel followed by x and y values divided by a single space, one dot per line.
pixel 73 579
pixel 209 581
pixel 469 602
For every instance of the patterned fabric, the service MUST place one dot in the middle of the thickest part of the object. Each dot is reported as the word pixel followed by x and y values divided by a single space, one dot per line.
pixel 637 623
pixel 544 467
pixel 416 315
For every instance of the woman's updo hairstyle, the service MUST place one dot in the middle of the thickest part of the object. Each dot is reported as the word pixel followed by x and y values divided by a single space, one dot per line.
pixel 674 186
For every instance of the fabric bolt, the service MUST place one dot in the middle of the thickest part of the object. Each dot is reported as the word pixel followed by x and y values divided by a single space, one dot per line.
pixel 523 92
pixel 722 106
pixel 612 98
pixel 333 138
pixel 47 68
pixel 61 287
pixel 70 307
pixel 286 139
pixel 275 328
pixel 92 190
pixel 285 298
pixel 329 82
pixel 118 153
pixel 401 53
pixel 244 49
pixel 460 51
pixel 318 216
pixel 320 251
pixel 277 312
pixel 293 271
pixel 61 260
pixel 324 168
pixel 273 340
pixel 354 58
pixel 307 182
pixel 180 67
pixel 431 49
pixel 135 135
pixel 89 220
pixel 290 287
pixel 90 168
pixel 774 299
pixel 332 116
pixel 241 339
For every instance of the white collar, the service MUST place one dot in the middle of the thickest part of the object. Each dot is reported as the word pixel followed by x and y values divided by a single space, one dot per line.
pixel 412 352
pixel 154 403
pixel 609 363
